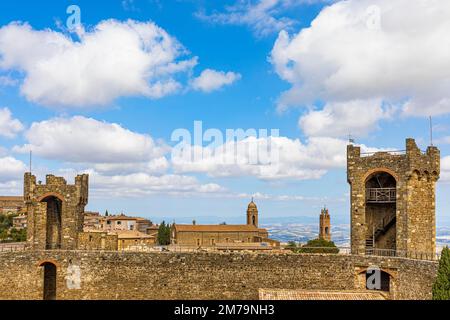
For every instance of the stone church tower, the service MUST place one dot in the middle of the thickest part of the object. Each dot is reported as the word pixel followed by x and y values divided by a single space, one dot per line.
pixel 55 211
pixel 393 200
pixel 325 225
pixel 252 214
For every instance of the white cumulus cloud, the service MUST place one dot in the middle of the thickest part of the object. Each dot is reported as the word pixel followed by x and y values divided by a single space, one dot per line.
pixel 445 169
pixel 141 184
pixel 86 140
pixel 395 52
pixel 112 60
pixel 210 80
pixel 264 158
pixel 343 118
pixel 9 127
pixel 11 169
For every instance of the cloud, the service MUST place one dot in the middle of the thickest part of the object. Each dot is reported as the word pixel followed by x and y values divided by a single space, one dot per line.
pixel 445 169
pixel 86 140
pixel 367 50
pixel 141 184
pixel 11 170
pixel 9 127
pixel 340 119
pixel 210 80
pixel 114 59
pixel 264 17
pixel 264 158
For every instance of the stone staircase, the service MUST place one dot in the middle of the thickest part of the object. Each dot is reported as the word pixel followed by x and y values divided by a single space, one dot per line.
pixel 381 229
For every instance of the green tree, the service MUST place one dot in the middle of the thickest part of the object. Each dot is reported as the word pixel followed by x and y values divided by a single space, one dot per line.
pixel 292 245
pixel 106 213
pixel 319 246
pixel 163 234
pixel 441 286
pixel 18 235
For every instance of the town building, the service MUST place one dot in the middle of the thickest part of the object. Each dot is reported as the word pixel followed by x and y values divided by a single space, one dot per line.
pixel 20 222
pixel 11 205
pixel 325 225
pixel 223 235
pixel 134 240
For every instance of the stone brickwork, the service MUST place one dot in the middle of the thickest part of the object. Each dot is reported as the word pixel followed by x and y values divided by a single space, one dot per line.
pixel 401 212
pixel 55 211
pixel 97 241
pixel 131 275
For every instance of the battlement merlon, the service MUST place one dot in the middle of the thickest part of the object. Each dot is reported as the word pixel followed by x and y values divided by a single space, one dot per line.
pixel 82 185
pixel 353 155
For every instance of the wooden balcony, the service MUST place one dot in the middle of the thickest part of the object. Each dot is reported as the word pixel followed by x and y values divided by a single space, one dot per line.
pixel 381 195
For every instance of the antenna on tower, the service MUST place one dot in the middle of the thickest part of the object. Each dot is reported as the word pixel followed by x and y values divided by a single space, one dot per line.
pixel 31 157
pixel 431 131
pixel 350 139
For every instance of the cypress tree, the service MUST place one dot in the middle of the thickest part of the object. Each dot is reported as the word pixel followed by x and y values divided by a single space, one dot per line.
pixel 164 234
pixel 441 286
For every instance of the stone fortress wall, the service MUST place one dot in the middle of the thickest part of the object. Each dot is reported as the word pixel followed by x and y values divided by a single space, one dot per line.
pixel 195 276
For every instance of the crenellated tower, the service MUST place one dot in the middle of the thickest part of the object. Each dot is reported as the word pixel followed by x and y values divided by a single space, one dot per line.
pixel 393 200
pixel 55 211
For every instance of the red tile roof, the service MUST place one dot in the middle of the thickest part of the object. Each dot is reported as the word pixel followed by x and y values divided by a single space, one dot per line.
pixel 283 294
pixel 217 228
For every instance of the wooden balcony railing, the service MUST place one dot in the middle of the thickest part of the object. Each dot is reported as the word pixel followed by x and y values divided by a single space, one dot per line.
pixel 381 195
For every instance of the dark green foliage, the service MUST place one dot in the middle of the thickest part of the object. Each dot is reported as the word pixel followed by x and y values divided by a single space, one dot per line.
pixel 164 234
pixel 318 246
pixel 18 235
pixel 441 286
pixel 9 234
pixel 292 245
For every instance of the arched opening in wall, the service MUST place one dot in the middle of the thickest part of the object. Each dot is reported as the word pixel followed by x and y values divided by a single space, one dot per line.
pixel 327 230
pixel 254 220
pixel 378 282
pixel 54 224
pixel 49 281
pixel 381 201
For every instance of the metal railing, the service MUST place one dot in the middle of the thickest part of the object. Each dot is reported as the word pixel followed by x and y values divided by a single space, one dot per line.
pixel 381 195
pixel 12 247
pixel 416 255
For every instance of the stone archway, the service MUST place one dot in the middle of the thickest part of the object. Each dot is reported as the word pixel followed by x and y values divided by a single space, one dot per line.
pixel 380 212
pixel 49 281
pixel 53 222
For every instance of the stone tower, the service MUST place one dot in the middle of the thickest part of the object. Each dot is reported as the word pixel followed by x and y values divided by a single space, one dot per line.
pixel 55 211
pixel 393 200
pixel 252 214
pixel 325 225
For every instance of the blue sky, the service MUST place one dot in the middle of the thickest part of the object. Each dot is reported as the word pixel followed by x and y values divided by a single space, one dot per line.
pixel 105 98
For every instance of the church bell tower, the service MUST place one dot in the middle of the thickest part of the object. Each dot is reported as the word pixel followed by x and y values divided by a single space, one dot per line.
pixel 252 214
